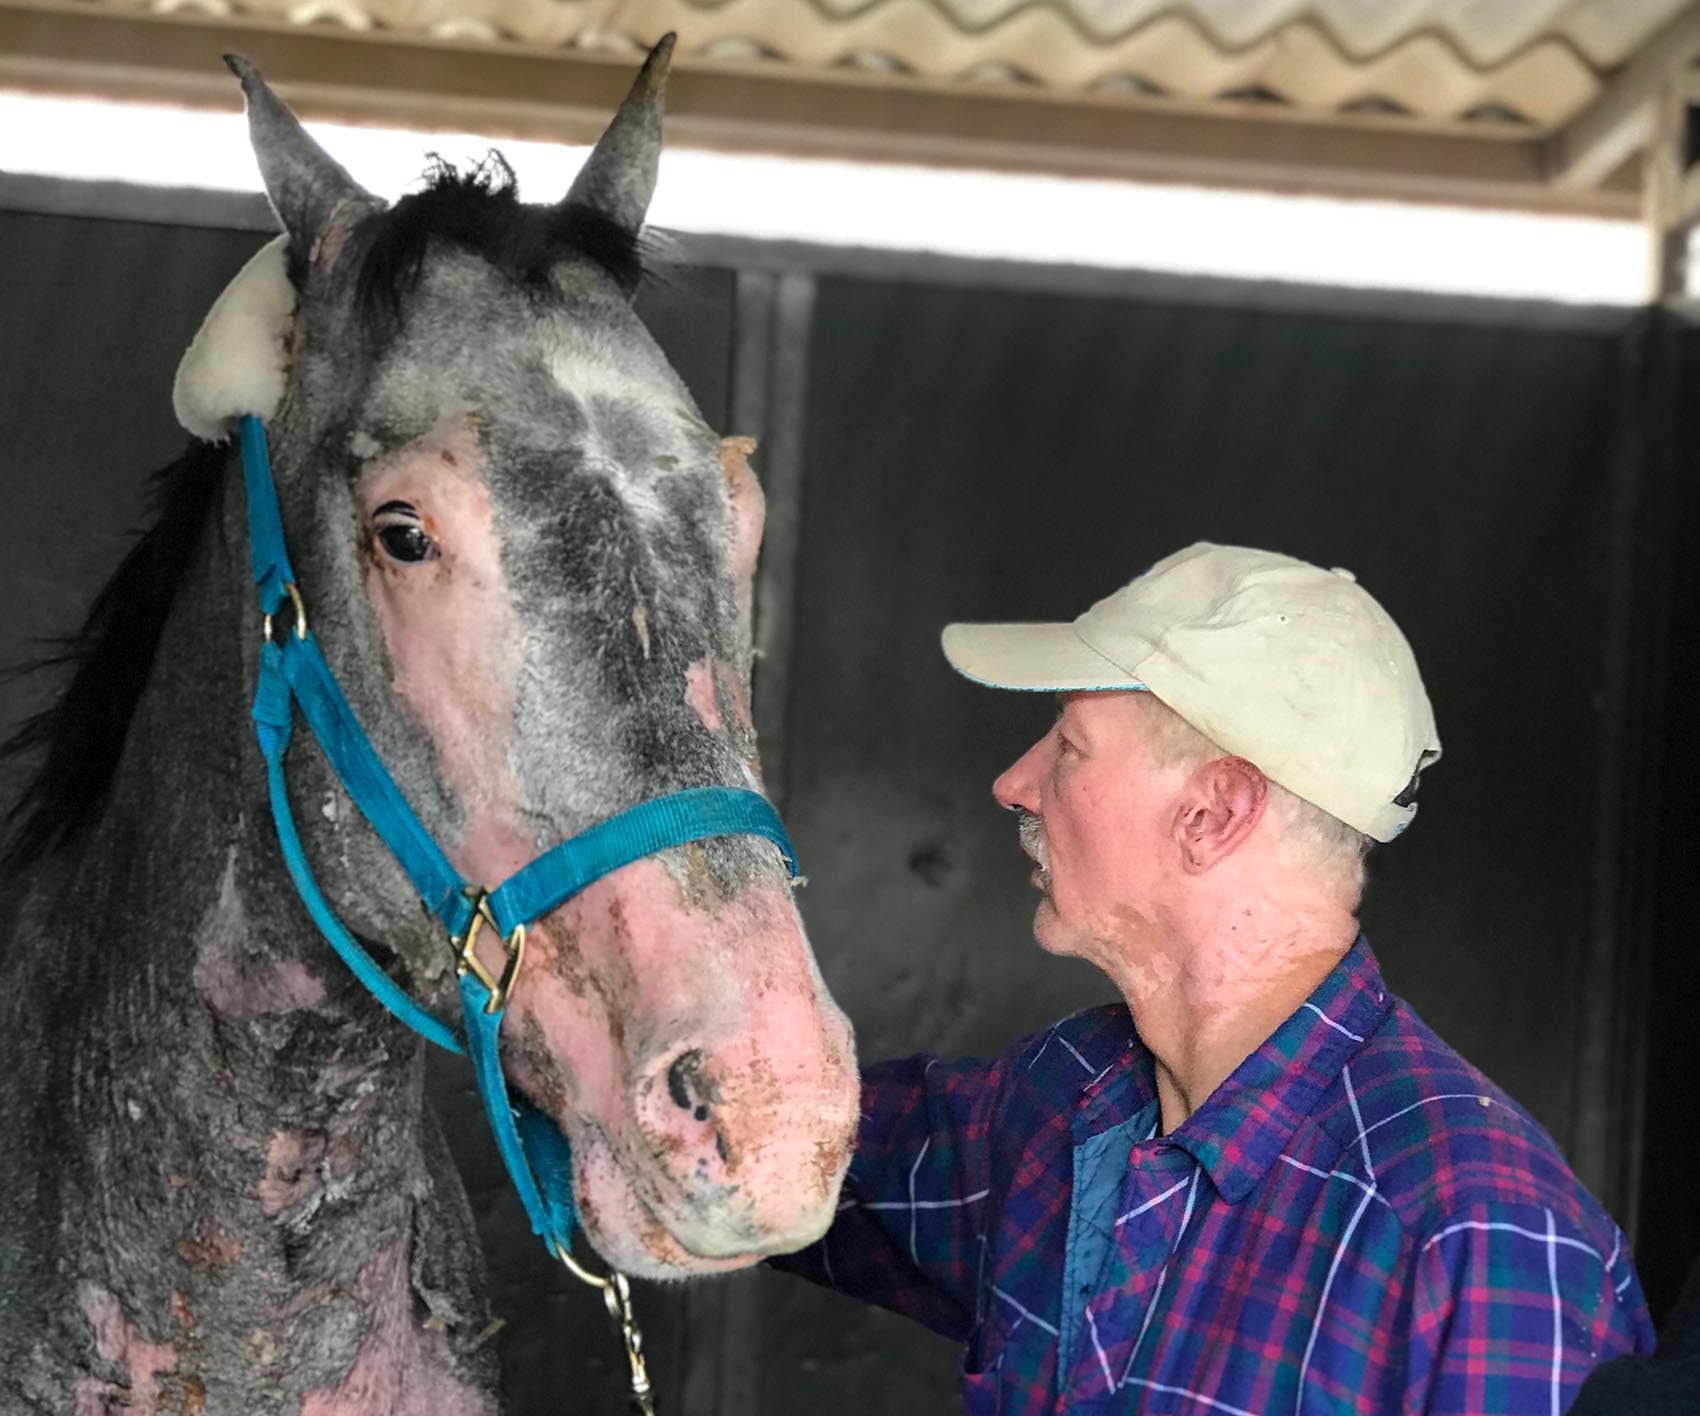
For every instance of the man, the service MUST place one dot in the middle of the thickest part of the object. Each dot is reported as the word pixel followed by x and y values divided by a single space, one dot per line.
pixel 1262 1185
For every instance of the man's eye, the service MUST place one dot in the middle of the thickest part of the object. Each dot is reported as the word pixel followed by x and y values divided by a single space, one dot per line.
pixel 400 534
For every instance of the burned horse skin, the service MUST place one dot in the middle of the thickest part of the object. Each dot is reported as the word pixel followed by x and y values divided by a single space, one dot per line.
pixel 527 559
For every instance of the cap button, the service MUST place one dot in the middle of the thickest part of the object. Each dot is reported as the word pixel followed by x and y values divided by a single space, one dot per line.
pixel 1345 574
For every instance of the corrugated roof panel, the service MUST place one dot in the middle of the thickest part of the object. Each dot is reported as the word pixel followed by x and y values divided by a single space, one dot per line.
pixel 1538 61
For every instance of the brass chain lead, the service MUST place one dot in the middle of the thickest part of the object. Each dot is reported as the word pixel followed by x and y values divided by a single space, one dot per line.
pixel 617 1298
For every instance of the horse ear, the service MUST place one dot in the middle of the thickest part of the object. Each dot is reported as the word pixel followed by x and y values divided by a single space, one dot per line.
pixel 304 183
pixel 749 517
pixel 618 178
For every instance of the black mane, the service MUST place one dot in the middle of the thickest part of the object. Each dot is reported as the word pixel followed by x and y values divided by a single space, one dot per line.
pixel 479 210
pixel 80 736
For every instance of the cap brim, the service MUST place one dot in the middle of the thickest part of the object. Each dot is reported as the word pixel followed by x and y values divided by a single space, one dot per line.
pixel 1031 658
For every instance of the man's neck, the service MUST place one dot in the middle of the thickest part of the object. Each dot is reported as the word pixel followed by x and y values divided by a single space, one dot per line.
pixel 1203 1004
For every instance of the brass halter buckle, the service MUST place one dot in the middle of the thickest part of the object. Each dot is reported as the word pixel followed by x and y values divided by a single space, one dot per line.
pixel 466 950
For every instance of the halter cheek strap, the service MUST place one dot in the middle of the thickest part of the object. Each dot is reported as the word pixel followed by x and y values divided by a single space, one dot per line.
pixel 294 673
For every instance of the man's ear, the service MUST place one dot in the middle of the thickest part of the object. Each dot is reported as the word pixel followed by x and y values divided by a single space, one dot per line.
pixel 1219 808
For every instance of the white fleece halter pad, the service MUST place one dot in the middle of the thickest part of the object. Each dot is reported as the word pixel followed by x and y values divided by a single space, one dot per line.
pixel 238 361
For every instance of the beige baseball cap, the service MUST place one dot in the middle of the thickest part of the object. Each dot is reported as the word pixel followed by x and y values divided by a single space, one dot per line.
pixel 1294 668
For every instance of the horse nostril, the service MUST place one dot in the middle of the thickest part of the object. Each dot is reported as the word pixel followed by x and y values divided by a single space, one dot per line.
pixel 687 1086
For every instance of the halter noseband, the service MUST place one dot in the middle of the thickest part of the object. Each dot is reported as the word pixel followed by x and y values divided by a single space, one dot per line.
pixel 535 1152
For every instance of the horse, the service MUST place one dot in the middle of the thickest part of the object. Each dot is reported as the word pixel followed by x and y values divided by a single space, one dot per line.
pixel 527 561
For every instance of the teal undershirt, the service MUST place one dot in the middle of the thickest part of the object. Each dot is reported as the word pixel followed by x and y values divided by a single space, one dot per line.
pixel 1100 1170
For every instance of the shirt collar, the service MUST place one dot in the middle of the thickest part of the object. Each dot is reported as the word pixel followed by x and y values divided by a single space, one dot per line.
pixel 1246 1121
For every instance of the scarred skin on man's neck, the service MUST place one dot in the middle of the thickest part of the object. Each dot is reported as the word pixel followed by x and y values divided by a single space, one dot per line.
pixel 1181 881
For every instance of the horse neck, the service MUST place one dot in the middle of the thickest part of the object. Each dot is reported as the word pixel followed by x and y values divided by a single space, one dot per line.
pixel 178 902
pixel 183 1038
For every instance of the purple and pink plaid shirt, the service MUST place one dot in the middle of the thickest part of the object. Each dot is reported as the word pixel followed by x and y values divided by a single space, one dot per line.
pixel 1356 1220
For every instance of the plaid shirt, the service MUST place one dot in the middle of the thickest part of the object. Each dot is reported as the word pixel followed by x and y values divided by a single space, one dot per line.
pixel 1356 1220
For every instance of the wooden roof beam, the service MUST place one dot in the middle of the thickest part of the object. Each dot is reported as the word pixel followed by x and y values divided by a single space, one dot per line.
pixel 1621 120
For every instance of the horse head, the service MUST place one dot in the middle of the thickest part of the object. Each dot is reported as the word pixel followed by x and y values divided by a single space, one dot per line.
pixel 528 561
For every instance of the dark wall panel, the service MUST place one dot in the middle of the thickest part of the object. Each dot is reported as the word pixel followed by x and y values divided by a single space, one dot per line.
pixel 93 318
pixel 1670 1175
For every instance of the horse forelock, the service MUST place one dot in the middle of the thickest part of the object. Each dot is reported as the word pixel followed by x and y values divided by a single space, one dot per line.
pixel 479 211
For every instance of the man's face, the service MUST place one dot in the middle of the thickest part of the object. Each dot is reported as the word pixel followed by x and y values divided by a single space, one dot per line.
pixel 1096 823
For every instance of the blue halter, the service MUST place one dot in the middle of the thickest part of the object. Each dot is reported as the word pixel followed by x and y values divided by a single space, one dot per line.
pixel 533 1149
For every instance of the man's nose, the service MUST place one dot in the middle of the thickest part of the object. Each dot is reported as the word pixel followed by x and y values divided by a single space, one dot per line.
pixel 1015 788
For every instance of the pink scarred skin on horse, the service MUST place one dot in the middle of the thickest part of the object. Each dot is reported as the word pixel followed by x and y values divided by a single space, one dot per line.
pixel 529 563
pixel 684 1042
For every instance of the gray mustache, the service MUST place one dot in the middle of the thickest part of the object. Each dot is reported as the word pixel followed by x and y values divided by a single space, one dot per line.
pixel 1032 836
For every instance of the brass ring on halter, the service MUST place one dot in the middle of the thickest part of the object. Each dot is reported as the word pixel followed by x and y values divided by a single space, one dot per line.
pixel 467 960
pixel 578 1270
pixel 300 615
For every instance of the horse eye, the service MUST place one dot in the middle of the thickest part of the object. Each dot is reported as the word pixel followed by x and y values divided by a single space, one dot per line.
pixel 407 543
pixel 401 535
